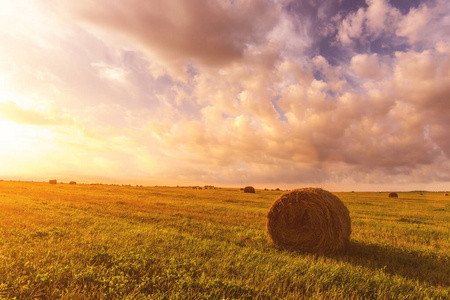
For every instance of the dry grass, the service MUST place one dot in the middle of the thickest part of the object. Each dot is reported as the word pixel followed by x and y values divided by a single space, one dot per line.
pixel 121 242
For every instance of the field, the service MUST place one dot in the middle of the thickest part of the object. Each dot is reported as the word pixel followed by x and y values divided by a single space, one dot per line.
pixel 120 242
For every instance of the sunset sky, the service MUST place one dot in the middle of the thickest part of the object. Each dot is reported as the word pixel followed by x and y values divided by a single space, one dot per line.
pixel 344 95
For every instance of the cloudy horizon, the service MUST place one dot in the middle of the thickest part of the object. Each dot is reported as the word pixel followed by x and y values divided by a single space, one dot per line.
pixel 345 95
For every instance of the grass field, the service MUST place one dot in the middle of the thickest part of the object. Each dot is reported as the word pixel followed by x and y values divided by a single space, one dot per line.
pixel 115 242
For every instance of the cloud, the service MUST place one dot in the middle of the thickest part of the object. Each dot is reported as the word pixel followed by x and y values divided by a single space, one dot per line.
pixel 351 27
pixel 381 16
pixel 209 32
pixel 366 25
pixel 393 125
pixel 382 27
pixel 426 25
pixel 367 66
pixel 412 25
pixel 10 111
pixel 113 73
pixel 422 79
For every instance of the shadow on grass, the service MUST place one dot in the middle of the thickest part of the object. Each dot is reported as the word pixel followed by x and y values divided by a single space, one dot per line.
pixel 415 265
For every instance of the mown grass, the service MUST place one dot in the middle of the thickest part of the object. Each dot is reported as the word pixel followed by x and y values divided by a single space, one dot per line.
pixel 112 242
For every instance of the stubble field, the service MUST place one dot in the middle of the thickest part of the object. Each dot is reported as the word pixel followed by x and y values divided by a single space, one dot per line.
pixel 121 242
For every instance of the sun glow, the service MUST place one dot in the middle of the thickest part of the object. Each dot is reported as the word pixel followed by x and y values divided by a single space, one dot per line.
pixel 9 135
pixel 26 150
pixel 21 144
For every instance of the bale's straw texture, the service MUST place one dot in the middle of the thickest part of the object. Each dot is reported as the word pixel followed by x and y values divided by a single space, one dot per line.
pixel 311 220
pixel 393 195
pixel 249 189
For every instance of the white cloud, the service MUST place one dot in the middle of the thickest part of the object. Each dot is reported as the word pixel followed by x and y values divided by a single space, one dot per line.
pixel 114 73
pixel 427 24
pixel 413 24
pixel 351 27
pixel 367 66
pixel 381 16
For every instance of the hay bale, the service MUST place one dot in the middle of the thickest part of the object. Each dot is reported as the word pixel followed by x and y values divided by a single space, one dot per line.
pixel 446 194
pixel 72 182
pixel 311 220
pixel 52 181
pixel 393 195
pixel 249 189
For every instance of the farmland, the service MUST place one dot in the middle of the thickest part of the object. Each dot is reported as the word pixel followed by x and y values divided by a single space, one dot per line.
pixel 122 242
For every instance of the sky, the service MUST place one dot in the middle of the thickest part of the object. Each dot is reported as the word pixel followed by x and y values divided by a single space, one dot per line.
pixel 343 95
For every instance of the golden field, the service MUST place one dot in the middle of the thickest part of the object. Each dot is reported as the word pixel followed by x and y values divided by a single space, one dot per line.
pixel 123 242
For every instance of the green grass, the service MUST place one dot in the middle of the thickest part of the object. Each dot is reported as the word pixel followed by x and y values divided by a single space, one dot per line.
pixel 112 242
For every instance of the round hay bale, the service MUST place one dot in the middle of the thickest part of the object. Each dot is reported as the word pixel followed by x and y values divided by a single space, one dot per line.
pixel 393 195
pixel 446 194
pixel 249 189
pixel 310 220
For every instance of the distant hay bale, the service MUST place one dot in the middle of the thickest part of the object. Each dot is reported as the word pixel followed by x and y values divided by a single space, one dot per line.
pixel 52 181
pixel 249 189
pixel 446 194
pixel 72 182
pixel 310 220
pixel 393 195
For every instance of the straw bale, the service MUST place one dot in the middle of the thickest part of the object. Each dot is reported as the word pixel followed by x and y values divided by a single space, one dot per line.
pixel 309 220
pixel 393 195
pixel 249 189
